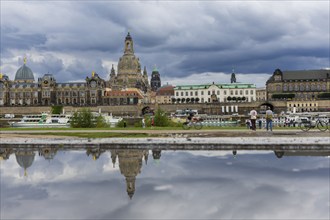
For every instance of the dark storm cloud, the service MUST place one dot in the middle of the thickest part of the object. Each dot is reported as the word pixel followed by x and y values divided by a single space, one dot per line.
pixel 181 38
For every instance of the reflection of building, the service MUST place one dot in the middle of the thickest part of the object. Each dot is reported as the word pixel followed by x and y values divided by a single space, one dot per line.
pixel 298 85
pixel 130 164
pixel 48 152
pixel 281 153
pixel 25 159
pixel 156 154
pixel 95 152
pixel 5 153
pixel 24 90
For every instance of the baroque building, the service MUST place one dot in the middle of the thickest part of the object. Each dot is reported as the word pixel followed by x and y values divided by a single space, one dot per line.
pixel 129 70
pixel 128 86
pixel 210 93
pixel 301 89
pixel 298 85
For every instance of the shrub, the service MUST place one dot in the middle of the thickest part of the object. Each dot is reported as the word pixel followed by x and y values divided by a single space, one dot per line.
pixel 57 109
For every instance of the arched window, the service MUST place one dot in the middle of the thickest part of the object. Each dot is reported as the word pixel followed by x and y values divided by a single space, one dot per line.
pixel 302 87
pixel 296 87
pixel 307 87
pixel 290 87
pixel 285 87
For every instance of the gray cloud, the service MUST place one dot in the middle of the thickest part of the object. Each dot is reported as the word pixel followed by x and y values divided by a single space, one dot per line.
pixel 182 185
pixel 181 38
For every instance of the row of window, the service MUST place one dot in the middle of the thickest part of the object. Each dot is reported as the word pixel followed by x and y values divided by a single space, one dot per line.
pixel 231 92
pixel 300 87
pixel 302 105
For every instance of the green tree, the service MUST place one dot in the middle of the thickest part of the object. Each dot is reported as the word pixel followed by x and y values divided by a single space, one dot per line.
pixel 85 119
pixel 161 119
pixel 57 109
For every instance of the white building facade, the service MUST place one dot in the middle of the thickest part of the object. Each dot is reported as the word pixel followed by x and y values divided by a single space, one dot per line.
pixel 211 93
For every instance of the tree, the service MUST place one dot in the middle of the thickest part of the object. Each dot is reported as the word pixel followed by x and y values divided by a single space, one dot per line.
pixel 243 98
pixel 57 109
pixel 161 119
pixel 85 119
pixel 173 100
pixel 183 100
pixel 234 99
pixel 239 99
pixel 229 98
pixel 178 100
pixel 192 99
pixel 188 100
pixel 197 100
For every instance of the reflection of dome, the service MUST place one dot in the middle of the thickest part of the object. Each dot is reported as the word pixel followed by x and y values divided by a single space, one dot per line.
pixel 25 158
pixel 24 73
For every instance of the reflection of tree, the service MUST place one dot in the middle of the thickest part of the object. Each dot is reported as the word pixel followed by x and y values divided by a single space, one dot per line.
pixel 130 164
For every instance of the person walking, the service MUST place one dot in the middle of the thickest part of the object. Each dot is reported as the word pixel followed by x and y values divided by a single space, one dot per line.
pixel 269 119
pixel 253 118
pixel 143 123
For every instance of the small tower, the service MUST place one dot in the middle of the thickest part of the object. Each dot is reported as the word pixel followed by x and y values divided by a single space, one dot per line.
pixel 233 77
pixel 155 81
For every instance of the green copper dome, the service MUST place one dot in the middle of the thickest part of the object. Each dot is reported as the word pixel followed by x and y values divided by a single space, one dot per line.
pixel 24 73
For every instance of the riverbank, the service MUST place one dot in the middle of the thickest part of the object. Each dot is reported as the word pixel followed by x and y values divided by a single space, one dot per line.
pixel 165 139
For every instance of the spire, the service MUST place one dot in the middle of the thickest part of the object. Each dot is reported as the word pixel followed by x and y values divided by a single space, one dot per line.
pixel 233 76
pixel 24 60
pixel 112 73
pixel 145 71
pixel 128 44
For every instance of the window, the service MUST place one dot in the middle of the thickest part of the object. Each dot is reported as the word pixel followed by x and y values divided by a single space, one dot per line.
pixel 196 93
pixel 177 93
pixel 231 92
pixel 251 92
pixel 285 87
pixel 302 87
pixel 241 92
pixel 181 93
pixel 246 92
pixel 208 92
pixel 225 92
pixel 236 92
pixel 191 93
pixel 218 92
pixel 202 92
pixel 186 93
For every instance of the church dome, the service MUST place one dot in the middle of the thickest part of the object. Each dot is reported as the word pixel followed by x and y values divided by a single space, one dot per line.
pixel 24 73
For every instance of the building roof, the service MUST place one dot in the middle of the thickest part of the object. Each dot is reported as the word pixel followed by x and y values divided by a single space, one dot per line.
pixel 306 74
pixel 222 86
pixel 24 73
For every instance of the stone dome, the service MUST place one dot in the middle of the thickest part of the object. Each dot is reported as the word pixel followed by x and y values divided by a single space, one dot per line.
pixel 24 73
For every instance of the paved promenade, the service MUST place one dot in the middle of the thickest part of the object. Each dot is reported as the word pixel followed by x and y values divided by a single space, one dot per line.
pixel 179 139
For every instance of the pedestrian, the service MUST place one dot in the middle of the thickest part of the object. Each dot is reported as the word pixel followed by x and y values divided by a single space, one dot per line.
pixel 260 123
pixel 143 123
pixel 248 124
pixel 269 119
pixel 152 122
pixel 253 117
pixel 124 124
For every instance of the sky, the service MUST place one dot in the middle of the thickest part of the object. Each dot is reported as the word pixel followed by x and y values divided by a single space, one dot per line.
pixel 189 42
pixel 181 185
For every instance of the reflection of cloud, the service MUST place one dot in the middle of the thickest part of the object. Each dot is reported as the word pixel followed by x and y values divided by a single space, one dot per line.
pixel 185 185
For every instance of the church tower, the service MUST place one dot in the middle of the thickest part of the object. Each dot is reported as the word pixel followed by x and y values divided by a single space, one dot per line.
pixel 233 77
pixel 129 70
pixel 155 82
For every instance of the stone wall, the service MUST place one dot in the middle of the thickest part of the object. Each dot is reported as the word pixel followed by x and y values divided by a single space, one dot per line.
pixel 135 110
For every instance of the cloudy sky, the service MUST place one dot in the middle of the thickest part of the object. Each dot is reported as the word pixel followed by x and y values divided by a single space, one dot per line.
pixel 188 41
pixel 181 185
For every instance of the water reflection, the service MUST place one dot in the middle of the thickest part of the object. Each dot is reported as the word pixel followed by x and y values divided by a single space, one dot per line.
pixel 184 184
